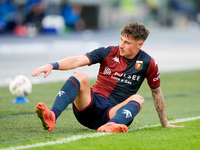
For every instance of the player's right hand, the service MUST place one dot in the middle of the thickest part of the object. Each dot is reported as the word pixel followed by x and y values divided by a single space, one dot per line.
pixel 44 69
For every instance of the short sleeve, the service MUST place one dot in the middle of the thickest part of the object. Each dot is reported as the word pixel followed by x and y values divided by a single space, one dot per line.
pixel 98 55
pixel 153 75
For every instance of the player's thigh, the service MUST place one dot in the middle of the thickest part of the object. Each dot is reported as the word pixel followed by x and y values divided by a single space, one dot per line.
pixel 83 98
pixel 135 97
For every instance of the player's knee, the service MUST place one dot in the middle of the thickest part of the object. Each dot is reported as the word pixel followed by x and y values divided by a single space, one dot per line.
pixel 81 77
pixel 138 98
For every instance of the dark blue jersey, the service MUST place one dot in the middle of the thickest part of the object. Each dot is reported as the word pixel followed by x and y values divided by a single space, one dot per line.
pixel 118 77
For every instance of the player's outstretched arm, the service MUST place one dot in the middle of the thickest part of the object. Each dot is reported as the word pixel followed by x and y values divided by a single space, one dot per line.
pixel 65 64
pixel 73 62
pixel 160 107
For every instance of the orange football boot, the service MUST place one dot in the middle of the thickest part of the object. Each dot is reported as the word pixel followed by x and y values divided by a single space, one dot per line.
pixel 113 127
pixel 46 116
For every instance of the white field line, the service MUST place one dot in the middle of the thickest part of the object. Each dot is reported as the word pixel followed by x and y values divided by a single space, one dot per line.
pixel 78 137
pixel 170 122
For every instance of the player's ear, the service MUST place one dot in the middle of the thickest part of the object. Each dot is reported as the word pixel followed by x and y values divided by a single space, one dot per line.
pixel 140 43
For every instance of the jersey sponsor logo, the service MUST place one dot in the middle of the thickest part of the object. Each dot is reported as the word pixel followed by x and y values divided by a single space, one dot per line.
pixel 125 78
pixel 107 71
pixel 121 77
pixel 133 77
pixel 60 93
pixel 127 113
pixel 139 64
pixel 116 59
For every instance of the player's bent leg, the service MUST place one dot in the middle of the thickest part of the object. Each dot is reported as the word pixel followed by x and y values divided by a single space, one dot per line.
pixel 76 88
pixel 46 116
pixel 134 97
pixel 83 98
pixel 123 113
pixel 66 95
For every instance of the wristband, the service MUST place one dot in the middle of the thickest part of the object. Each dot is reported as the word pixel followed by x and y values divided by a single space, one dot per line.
pixel 55 65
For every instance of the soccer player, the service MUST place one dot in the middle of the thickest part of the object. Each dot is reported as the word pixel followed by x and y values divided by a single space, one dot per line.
pixel 112 103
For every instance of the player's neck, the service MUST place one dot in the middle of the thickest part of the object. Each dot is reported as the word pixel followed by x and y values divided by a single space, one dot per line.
pixel 133 55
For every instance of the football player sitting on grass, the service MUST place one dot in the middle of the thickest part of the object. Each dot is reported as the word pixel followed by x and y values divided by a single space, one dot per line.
pixel 112 103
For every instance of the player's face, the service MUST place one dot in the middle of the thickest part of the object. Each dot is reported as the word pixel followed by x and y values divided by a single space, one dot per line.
pixel 129 47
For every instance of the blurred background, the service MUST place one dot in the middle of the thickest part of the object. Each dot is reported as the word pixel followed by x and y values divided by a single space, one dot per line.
pixel 37 32
pixel 68 15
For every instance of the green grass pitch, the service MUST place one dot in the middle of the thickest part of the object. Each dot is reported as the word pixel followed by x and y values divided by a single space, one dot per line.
pixel 20 126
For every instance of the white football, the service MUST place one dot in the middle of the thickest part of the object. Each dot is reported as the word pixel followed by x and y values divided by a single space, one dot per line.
pixel 20 86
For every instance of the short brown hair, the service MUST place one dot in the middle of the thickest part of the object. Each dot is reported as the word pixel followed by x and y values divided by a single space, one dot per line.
pixel 135 30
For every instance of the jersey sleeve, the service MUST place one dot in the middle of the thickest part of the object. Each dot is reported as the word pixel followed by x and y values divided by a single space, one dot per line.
pixel 153 75
pixel 98 55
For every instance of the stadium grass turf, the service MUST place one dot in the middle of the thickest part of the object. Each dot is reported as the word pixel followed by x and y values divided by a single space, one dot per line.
pixel 19 123
pixel 146 139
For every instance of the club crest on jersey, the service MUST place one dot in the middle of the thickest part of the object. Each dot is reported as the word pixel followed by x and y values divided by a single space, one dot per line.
pixel 139 64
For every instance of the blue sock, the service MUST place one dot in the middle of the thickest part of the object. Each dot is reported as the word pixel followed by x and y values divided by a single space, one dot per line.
pixel 126 113
pixel 66 95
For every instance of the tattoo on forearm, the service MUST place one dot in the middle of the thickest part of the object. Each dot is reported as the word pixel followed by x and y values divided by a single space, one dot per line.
pixel 160 106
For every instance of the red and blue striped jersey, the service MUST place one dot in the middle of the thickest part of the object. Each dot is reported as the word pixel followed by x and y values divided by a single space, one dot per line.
pixel 118 77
